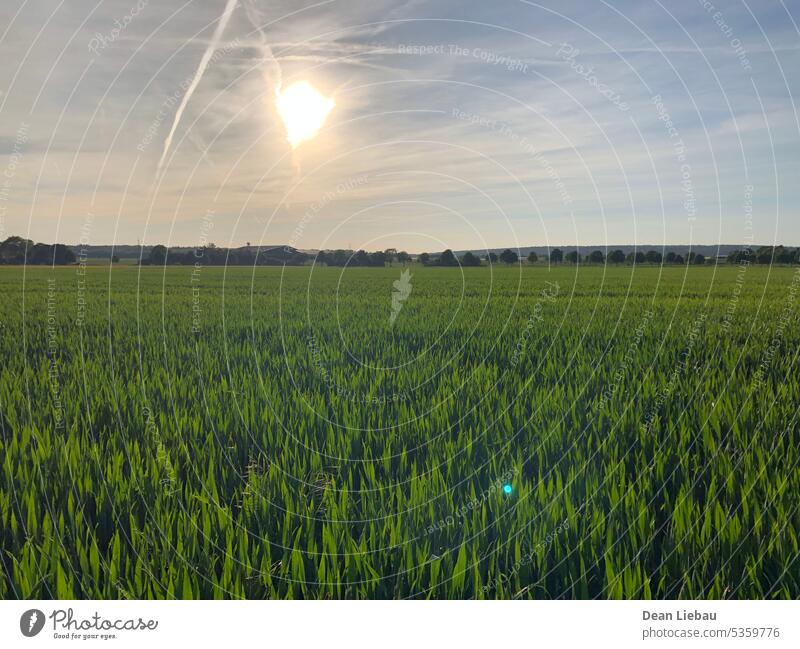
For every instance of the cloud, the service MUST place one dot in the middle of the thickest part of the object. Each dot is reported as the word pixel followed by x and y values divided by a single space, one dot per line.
pixel 101 119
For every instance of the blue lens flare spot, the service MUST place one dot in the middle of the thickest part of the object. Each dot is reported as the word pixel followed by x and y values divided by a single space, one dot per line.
pixel 507 488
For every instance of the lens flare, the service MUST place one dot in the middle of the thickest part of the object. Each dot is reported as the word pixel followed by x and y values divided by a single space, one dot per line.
pixel 303 111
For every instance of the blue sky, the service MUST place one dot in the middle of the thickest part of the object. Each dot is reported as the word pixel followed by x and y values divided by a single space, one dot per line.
pixel 457 124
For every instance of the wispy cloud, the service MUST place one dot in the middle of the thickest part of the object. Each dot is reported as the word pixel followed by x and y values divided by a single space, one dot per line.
pixel 190 89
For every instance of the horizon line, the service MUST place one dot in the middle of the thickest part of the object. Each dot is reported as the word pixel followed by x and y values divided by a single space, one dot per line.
pixel 650 246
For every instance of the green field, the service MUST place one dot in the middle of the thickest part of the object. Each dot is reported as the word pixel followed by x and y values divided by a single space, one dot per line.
pixel 269 433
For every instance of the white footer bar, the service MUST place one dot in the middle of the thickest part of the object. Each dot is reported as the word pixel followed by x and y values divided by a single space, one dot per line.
pixel 380 624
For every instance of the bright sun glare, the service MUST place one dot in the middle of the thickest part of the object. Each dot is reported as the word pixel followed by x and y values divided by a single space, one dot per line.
pixel 303 111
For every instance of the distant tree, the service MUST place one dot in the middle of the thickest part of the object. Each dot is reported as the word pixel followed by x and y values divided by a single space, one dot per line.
pixel 470 260
pixel 361 258
pixel 491 258
pixel 244 257
pixel 297 258
pixel 556 256
pixel 653 257
pixel 678 259
pixel 764 255
pixel 768 254
pixel 338 257
pixel 390 254
pixel 12 250
pixel 595 257
pixel 573 257
pixel 617 257
pixel 321 258
pixel 783 255
pixel 63 255
pixel 403 257
pixel 509 257
pixel 44 253
pixel 740 256
pixel 40 253
pixel 212 255
pixel 447 259
pixel 634 258
pixel 114 259
pixel 699 259
pixel 532 257
pixel 378 259
pixel 158 255
pixel 424 258
pixel 671 257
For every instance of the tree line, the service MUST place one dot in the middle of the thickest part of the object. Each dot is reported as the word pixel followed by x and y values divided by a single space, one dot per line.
pixel 17 250
pixel 211 255
pixel 762 255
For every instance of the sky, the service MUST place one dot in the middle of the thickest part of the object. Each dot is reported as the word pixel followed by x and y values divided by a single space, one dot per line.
pixel 456 124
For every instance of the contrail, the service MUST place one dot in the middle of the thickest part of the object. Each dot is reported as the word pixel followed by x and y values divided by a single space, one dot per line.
pixel 255 18
pixel 223 21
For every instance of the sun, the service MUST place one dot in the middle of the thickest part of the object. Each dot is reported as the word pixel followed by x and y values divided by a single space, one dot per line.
pixel 303 111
